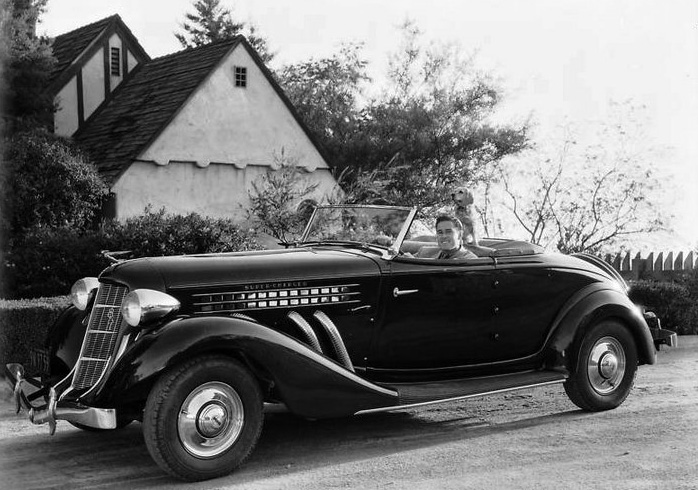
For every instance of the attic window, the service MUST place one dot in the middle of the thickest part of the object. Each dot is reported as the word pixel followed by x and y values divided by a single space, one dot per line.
pixel 116 62
pixel 240 76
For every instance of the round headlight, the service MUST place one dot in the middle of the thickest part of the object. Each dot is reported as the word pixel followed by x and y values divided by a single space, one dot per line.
pixel 142 306
pixel 81 290
pixel 131 309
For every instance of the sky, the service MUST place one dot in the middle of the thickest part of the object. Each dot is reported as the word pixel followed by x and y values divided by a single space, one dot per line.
pixel 560 61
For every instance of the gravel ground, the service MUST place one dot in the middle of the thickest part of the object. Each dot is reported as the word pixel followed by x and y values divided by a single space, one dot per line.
pixel 527 439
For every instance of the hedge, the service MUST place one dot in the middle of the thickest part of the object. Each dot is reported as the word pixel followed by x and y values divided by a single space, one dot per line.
pixel 47 261
pixel 24 324
pixel 675 303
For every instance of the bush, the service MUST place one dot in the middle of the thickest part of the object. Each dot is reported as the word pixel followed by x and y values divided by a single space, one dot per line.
pixel 47 261
pixel 47 182
pixel 675 303
pixel 24 324
pixel 159 233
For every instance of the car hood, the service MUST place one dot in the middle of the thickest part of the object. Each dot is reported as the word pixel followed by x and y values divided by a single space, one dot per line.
pixel 212 270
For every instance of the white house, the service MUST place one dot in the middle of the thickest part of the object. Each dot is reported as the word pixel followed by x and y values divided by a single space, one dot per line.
pixel 188 131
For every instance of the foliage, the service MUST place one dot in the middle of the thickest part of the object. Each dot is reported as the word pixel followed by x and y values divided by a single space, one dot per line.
pixel 587 197
pixel 157 233
pixel 425 133
pixel 327 93
pixel 211 22
pixel 47 182
pixel 30 65
pixel 47 261
pixel 279 200
pixel 25 324
pixel 675 303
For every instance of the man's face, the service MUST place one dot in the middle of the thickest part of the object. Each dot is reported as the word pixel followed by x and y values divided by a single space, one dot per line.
pixel 448 235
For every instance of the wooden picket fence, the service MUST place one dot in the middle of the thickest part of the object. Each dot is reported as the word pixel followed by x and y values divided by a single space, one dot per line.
pixel 659 266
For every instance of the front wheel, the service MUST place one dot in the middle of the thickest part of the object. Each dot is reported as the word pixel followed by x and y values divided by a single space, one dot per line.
pixel 203 419
pixel 604 365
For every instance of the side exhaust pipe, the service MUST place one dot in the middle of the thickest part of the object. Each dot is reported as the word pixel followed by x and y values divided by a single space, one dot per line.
pixel 337 342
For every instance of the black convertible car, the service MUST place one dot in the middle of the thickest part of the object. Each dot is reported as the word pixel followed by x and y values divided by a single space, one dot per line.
pixel 345 321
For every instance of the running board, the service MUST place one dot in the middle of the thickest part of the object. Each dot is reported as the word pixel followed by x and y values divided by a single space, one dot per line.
pixel 421 394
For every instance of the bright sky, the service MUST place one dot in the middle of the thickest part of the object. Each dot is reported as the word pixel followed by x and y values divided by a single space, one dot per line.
pixel 561 60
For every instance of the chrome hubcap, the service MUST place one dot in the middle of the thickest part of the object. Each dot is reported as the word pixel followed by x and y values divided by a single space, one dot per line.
pixel 210 420
pixel 606 365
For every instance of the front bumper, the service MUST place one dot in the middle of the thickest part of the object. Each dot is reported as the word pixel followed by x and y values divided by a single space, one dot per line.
pixel 660 335
pixel 55 409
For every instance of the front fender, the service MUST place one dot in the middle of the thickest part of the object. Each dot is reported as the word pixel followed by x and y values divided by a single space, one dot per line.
pixel 309 383
pixel 592 304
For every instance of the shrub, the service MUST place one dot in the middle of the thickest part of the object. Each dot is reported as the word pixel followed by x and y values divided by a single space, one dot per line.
pixel 159 233
pixel 280 202
pixel 47 261
pixel 24 324
pixel 47 182
pixel 673 302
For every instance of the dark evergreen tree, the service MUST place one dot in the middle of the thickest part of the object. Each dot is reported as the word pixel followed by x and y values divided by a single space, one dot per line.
pixel 211 22
pixel 29 67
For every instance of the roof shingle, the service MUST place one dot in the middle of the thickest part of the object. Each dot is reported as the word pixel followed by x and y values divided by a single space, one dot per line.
pixel 67 47
pixel 144 104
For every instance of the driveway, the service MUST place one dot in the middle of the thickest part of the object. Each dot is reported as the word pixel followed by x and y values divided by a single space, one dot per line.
pixel 527 439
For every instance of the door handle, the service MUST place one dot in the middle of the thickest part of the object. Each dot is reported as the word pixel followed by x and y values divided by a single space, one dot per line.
pixel 397 292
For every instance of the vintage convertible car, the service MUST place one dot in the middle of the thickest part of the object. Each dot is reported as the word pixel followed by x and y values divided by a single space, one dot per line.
pixel 345 321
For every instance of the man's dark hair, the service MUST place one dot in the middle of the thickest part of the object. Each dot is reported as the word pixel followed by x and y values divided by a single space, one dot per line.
pixel 445 217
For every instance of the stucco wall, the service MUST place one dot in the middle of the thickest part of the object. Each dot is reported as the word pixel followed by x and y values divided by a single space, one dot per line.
pixel 227 124
pixel 65 120
pixel 217 190
pixel 223 139
pixel 93 83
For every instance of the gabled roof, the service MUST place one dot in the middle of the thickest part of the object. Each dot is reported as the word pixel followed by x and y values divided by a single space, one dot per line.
pixel 70 47
pixel 143 105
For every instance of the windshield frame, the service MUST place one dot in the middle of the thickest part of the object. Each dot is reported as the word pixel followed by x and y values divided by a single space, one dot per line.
pixel 391 251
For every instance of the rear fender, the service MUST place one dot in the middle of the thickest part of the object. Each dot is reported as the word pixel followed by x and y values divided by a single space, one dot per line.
pixel 309 383
pixel 592 304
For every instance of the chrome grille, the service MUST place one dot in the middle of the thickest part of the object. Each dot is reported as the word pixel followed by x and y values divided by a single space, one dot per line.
pixel 101 335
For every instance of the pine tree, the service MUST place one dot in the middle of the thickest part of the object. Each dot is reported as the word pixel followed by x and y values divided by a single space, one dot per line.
pixel 211 22
pixel 29 66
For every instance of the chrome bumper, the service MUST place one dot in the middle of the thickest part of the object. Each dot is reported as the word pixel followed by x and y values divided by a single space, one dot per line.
pixel 55 409
pixel 660 335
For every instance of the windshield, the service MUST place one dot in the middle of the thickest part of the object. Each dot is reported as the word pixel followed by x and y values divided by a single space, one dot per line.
pixel 380 225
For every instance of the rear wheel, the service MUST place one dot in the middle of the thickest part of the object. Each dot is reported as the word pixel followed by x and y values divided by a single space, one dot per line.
pixel 203 419
pixel 604 365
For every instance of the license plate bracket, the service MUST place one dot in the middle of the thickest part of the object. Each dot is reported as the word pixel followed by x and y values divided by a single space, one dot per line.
pixel 38 361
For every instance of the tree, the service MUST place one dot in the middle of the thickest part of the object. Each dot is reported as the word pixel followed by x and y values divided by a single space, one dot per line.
pixel 426 132
pixel 432 122
pixel 278 199
pixel 30 65
pixel 47 182
pixel 211 22
pixel 585 197
pixel 327 93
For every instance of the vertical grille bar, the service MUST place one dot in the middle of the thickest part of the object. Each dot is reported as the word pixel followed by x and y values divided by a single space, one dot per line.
pixel 101 335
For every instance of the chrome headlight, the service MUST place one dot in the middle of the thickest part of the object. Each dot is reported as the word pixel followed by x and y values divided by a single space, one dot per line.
pixel 81 291
pixel 143 306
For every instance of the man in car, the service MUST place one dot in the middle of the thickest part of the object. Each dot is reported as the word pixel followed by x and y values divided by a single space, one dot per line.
pixel 449 236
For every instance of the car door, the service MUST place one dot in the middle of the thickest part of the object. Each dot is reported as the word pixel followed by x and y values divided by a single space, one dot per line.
pixel 434 314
